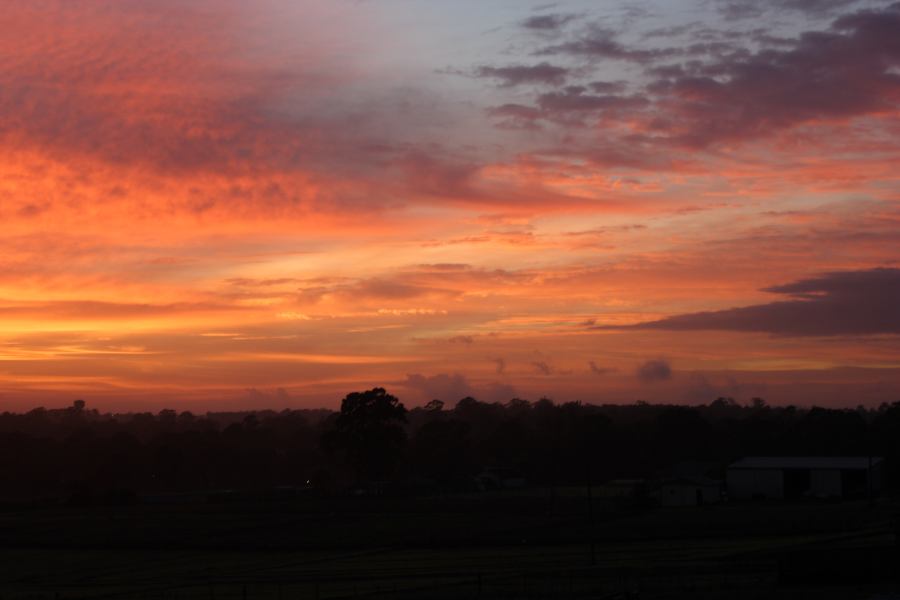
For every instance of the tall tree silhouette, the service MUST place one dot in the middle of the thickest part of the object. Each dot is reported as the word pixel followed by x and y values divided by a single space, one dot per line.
pixel 369 432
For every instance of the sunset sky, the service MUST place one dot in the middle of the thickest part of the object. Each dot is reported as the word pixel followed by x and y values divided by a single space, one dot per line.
pixel 223 204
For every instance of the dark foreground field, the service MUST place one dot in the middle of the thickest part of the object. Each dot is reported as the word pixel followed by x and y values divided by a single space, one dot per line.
pixel 492 545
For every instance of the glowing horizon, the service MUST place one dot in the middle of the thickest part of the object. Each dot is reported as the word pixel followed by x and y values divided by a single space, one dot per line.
pixel 219 205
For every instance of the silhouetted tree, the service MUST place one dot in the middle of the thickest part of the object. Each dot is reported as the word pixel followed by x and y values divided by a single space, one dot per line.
pixel 78 453
pixel 369 432
pixel 434 406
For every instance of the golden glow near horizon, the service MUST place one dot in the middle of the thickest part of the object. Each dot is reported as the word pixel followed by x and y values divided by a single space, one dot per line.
pixel 218 204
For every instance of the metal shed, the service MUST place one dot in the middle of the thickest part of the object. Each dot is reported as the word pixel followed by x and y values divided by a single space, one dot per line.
pixel 803 476
pixel 690 491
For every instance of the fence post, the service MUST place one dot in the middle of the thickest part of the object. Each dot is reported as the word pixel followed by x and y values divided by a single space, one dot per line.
pixel 209 583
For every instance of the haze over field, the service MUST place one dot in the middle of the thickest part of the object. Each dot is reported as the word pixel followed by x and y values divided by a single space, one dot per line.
pixel 221 204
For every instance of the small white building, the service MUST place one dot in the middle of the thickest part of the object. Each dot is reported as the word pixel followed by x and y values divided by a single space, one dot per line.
pixel 498 478
pixel 690 491
pixel 779 477
pixel 619 489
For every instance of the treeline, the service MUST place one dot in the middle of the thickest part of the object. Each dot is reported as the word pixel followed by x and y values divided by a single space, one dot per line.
pixel 79 453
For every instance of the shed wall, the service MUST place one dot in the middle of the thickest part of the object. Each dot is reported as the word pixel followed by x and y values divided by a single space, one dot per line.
pixel 825 483
pixel 745 484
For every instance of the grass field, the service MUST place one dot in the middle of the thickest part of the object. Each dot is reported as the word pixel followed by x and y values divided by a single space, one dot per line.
pixel 489 546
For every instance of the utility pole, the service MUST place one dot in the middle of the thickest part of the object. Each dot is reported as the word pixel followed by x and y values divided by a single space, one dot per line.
pixel 590 496
pixel 869 490
pixel 869 437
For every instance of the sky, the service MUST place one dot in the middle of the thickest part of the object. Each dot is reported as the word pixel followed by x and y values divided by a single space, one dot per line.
pixel 219 204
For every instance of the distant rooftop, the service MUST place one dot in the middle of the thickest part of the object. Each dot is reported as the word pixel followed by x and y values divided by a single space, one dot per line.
pixel 804 462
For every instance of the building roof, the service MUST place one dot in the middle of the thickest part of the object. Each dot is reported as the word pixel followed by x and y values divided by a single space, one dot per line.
pixel 805 462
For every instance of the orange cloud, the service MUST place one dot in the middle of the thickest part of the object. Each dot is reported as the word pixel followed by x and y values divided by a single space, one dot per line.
pixel 205 204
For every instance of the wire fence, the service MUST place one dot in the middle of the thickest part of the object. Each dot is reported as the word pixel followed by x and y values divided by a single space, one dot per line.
pixel 582 582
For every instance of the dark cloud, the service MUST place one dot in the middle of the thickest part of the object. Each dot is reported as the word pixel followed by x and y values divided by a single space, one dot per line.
pixel 542 367
pixel 495 391
pixel 516 116
pixel 601 43
pixel 712 89
pixel 608 87
pixel 443 386
pixel 700 49
pixel 634 151
pixel 573 98
pixel 842 303
pixel 816 6
pixel 435 176
pixel 599 370
pixel 452 387
pixel 543 73
pixel 734 10
pixel 421 281
pixel 268 398
pixel 373 289
pixel 568 106
pixel 393 290
pixel 747 9
pixel 550 22
pixel 654 370
pixel 672 31
pixel 845 71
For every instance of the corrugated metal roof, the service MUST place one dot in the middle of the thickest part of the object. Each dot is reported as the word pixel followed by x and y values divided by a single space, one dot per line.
pixel 804 462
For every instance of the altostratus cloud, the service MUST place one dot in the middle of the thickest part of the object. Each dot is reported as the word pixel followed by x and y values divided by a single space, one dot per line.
pixel 839 303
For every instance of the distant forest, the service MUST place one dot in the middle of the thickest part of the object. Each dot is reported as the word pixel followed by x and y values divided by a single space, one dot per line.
pixel 78 454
